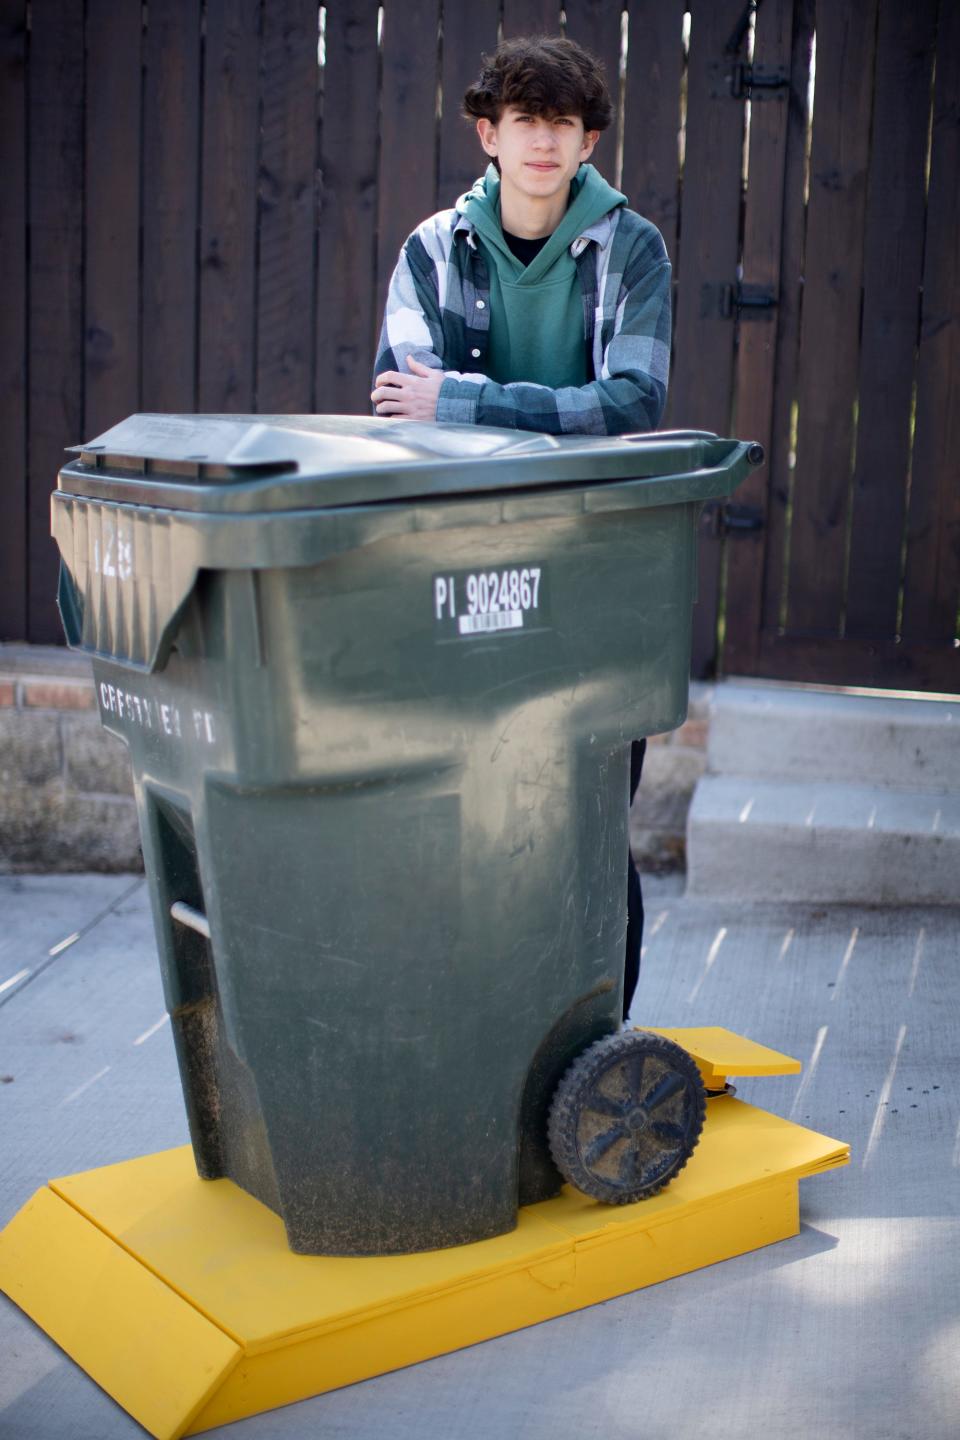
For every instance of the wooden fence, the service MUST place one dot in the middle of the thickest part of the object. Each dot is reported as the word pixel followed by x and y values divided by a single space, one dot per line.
pixel 203 203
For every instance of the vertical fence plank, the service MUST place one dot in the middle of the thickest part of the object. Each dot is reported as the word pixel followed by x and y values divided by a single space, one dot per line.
pixel 407 190
pixel 780 458
pixel 702 380
pixel 651 156
pixel 831 314
pixel 469 31
pixel 707 254
pixel 288 161
pixel 893 258
pixel 595 24
pixel 346 240
pixel 56 283
pixel 111 321
pixel 228 206
pixel 530 17
pixel 932 584
pixel 171 162
pixel 13 331
pixel 757 348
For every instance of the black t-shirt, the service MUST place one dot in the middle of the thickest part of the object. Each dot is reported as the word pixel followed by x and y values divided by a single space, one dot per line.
pixel 525 250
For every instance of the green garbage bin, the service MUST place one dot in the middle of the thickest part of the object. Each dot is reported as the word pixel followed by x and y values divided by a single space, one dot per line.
pixel 378 681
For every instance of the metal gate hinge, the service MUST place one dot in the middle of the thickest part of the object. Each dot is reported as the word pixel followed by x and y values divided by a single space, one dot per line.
pixel 749 298
pixel 755 82
pixel 730 519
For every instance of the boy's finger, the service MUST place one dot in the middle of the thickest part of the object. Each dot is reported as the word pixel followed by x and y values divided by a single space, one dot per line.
pixel 417 366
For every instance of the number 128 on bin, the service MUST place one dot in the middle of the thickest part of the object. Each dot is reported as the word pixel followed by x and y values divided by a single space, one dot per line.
pixel 481 602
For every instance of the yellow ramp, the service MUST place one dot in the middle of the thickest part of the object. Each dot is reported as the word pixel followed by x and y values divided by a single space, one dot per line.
pixel 143 1264
pixel 146 1345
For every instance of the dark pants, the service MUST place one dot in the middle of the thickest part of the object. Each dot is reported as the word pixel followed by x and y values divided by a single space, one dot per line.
pixel 631 968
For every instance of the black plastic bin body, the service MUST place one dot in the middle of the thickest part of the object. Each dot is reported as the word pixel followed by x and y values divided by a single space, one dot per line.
pixel 378 682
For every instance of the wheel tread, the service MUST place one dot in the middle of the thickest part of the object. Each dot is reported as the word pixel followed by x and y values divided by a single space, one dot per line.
pixel 568 1102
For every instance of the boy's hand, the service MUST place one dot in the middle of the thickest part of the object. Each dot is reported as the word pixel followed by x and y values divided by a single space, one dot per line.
pixel 408 397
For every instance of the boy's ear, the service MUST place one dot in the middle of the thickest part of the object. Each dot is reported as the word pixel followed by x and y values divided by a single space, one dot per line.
pixel 488 135
pixel 590 138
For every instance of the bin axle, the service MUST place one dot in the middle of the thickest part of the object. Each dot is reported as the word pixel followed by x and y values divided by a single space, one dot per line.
pixel 193 919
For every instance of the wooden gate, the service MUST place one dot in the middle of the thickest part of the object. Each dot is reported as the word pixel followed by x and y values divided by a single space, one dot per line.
pixel 852 380
pixel 203 201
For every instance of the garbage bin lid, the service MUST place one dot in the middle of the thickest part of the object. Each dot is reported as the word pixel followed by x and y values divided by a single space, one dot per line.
pixel 256 463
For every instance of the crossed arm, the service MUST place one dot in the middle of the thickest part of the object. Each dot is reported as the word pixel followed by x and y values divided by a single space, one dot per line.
pixel 408 397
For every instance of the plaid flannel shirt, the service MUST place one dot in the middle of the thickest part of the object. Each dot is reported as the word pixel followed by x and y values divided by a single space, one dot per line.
pixel 438 311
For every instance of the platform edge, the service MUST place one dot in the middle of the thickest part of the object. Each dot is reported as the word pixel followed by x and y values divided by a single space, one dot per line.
pixel 596 1268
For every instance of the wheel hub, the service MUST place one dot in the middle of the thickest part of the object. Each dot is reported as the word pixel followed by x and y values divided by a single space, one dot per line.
pixel 636 1121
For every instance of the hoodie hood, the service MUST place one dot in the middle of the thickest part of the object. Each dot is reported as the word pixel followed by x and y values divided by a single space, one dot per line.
pixel 536 326
pixel 591 198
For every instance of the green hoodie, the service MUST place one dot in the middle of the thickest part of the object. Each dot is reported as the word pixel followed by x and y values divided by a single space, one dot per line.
pixel 536 312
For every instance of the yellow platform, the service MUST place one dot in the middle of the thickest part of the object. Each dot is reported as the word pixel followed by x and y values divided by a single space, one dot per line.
pixel 181 1299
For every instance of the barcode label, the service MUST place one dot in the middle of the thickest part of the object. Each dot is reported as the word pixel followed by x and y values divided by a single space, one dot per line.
pixel 499 620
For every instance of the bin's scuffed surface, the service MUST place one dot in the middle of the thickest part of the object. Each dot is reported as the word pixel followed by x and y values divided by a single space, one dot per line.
pixel 379 709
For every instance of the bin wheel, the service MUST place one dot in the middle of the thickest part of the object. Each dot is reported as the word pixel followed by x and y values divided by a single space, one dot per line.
pixel 626 1116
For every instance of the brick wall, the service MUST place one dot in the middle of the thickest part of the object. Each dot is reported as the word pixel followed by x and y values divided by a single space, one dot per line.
pixel 66 798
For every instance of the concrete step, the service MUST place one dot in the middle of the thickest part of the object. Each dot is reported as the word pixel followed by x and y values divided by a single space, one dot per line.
pixel 825 841
pixel 793 734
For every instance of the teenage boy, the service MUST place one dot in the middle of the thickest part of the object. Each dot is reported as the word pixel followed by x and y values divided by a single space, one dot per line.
pixel 539 301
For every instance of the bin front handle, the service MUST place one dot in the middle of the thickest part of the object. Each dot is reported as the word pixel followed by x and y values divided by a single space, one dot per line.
pixel 193 919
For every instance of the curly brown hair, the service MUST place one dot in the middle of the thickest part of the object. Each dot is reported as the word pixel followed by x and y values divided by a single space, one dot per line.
pixel 543 75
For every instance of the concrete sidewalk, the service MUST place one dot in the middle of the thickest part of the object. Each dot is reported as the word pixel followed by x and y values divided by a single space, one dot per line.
pixel 852 1329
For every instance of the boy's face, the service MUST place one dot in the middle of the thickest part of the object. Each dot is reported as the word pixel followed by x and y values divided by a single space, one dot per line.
pixel 538 154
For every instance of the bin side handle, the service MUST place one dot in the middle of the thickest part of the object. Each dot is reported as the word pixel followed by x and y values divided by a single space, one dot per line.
pixel 125 580
pixel 71 610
